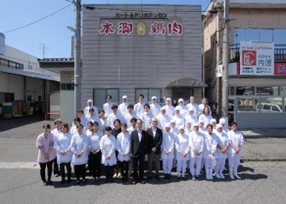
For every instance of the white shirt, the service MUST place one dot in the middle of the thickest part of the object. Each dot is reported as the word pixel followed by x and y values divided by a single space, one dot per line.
pixel 196 109
pixel 170 110
pixel 202 130
pixel 201 107
pixel 155 108
pixel 154 132
pixel 129 130
pixel 92 119
pixel 236 139
pixel 183 110
pixel 147 119
pixel 168 145
pixel 180 121
pixel 128 117
pixel 197 143
pixel 192 119
pixel 83 121
pixel 222 141
pixel 101 124
pixel 122 108
pixel 123 146
pixel 139 109
pixel 107 146
pixel 79 143
pixel 188 131
pixel 95 141
pixel 163 120
pixel 206 119
pixel 175 131
pixel 107 109
pixel 55 132
pixel 139 135
pixel 63 143
pixel 112 117
pixel 210 145
pixel 86 111
pixel 88 132
pixel 182 146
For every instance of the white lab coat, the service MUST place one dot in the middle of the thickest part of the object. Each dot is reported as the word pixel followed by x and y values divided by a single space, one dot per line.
pixel 112 117
pixel 128 117
pixel 170 110
pixel 139 109
pixel 182 146
pixel 180 121
pixel 201 107
pixel 192 119
pixel 63 143
pixel 222 141
pixel 122 108
pixel 196 109
pixel 206 119
pixel 101 124
pixel 155 109
pixel 92 119
pixel 147 119
pixel 73 130
pixel 107 146
pixel 107 109
pixel 202 130
pixel 86 110
pixel 88 132
pixel 197 143
pixel 175 131
pixel 188 131
pixel 123 146
pixel 210 145
pixel 168 145
pixel 79 143
pixel 183 110
pixel 236 139
pixel 56 132
pixel 129 130
pixel 83 121
pixel 94 142
pixel 163 120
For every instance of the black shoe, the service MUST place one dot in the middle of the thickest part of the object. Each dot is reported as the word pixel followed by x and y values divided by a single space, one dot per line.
pixel 106 181
pixel 149 178
pixel 50 182
pixel 69 180
pixel 157 177
pixel 198 178
pixel 165 176
pixel 110 180
pixel 84 180
pixel 168 176
pixel 77 182
pixel 62 182
pixel 45 183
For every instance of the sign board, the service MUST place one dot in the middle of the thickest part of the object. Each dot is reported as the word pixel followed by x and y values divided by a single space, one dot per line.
pixel 219 71
pixel 256 58
pixel 2 44
pixel 280 69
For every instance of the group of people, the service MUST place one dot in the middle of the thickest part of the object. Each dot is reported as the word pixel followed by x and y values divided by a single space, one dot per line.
pixel 185 138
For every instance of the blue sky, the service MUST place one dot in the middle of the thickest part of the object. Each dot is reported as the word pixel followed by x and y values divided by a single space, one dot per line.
pixel 52 31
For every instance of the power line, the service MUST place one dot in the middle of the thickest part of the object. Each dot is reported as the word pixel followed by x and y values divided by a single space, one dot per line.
pixel 24 26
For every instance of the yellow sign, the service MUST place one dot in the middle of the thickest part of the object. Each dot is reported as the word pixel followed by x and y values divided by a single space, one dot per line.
pixel 141 28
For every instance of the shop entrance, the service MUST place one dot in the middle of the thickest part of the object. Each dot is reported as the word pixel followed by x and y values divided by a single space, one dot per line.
pixel 183 93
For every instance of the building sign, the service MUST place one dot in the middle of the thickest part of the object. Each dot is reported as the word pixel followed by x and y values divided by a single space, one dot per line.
pixel 280 69
pixel 140 15
pixel 256 58
pixel 156 28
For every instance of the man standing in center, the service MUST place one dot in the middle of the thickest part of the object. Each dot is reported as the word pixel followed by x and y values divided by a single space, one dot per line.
pixel 138 149
pixel 155 142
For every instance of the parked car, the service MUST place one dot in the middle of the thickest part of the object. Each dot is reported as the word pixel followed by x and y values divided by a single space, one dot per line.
pixel 270 107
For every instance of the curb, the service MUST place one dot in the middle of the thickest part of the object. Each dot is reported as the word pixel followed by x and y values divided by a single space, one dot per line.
pixel 263 137
pixel 262 159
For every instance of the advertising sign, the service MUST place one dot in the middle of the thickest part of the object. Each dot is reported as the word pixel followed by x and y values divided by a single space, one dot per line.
pixel 256 58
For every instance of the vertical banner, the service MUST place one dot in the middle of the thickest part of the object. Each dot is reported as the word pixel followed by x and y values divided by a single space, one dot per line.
pixel 256 58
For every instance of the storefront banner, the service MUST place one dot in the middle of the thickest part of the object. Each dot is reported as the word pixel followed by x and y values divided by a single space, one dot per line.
pixel 280 69
pixel 256 58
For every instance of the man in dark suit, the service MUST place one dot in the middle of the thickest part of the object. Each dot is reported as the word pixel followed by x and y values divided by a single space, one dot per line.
pixel 155 142
pixel 138 150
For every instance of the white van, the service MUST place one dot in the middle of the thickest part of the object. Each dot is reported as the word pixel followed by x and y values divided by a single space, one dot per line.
pixel 270 108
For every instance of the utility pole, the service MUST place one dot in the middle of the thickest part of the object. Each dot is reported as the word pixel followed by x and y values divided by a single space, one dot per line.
pixel 225 61
pixel 77 59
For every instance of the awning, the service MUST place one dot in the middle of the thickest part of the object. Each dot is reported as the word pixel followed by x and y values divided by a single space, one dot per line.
pixel 186 83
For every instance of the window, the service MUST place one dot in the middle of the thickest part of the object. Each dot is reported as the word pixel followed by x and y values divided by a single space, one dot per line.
pixel 4 62
pixel 99 97
pixel 67 86
pixel 12 64
pixel 271 105
pixel 248 105
pixel 279 36
pixel 239 35
pixel 264 91
pixel 148 93
pixel 283 91
pixel 267 35
pixel 6 97
pixel 242 91
pixel 253 34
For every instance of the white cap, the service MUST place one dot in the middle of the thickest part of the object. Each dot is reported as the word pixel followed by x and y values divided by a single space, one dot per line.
pixel 168 99
pixel 167 125
pixel 177 108
pixel 218 126
pixel 172 121
pixel 191 109
pixel 213 120
pixel 196 124
pixel 154 97
pixel 181 100
pixel 222 121
pixel 163 108
pixel 90 101
pixel 201 121
pixel 124 97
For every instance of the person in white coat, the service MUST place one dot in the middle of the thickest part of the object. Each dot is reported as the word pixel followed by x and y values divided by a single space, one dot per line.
pixel 188 128
pixel 202 128
pixel 194 106
pixel 236 141
pixel 107 106
pixel 196 143
pixel 163 118
pixel 55 132
pixel 221 152
pixel 146 117
pixel 170 110
pixel 123 148
pixel 182 152
pixel 122 108
pixel 92 116
pixel 64 154
pixel 213 123
pixel 155 107
pixel 179 118
pixel 183 109
pixel 175 131
pixel 209 151
pixel 113 116
pixel 167 154
pixel 129 115
pixel 79 145
pixel 206 117
pixel 139 107
pixel 83 119
pixel 223 124
pixel 203 105
pixel 102 121
pixel 88 107
pixel 191 117
pixel 108 159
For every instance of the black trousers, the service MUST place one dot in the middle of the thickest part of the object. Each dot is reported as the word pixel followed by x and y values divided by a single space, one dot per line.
pixel 56 167
pixel 139 159
pixel 80 170
pixel 89 163
pixel 62 170
pixel 43 170
pixel 108 172
pixel 95 160
pixel 124 165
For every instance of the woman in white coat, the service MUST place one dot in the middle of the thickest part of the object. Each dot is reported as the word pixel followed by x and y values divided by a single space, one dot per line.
pixel 182 150
pixel 236 141
pixel 206 117
pixel 196 143
pixel 167 154
pixel 79 144
pixel 64 154
pixel 108 159
pixel 123 148
pixel 221 151
pixel 209 151
pixel 179 118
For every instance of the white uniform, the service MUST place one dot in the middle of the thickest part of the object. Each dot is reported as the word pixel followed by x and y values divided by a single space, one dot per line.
pixel 79 143
pixel 92 119
pixel 147 119
pixel 107 146
pixel 180 121
pixel 107 109
pixel 123 146
pixel 196 109
pixel 55 132
pixel 83 121
pixel 88 132
pixel 167 145
pixel 221 157
pixel 170 110
pixel 101 124
pixel 112 117
pixel 94 142
pixel 210 147
pixel 182 146
pixel 163 120
pixel 129 130
pixel 183 110
pixel 155 109
pixel 196 143
pixel 236 139
pixel 63 143
pixel 128 117
pixel 86 110
pixel 139 109
pixel 192 119
pixel 201 107
pixel 122 108
pixel 206 119
pixel 175 131
pixel 188 131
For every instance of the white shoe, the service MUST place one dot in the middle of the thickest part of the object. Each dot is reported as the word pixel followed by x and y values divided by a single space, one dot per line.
pixel 217 175
pixel 114 175
pixel 221 175
pixel 231 173
pixel 235 173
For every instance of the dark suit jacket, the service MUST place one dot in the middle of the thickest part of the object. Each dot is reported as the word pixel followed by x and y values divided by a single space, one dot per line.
pixel 155 142
pixel 138 148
